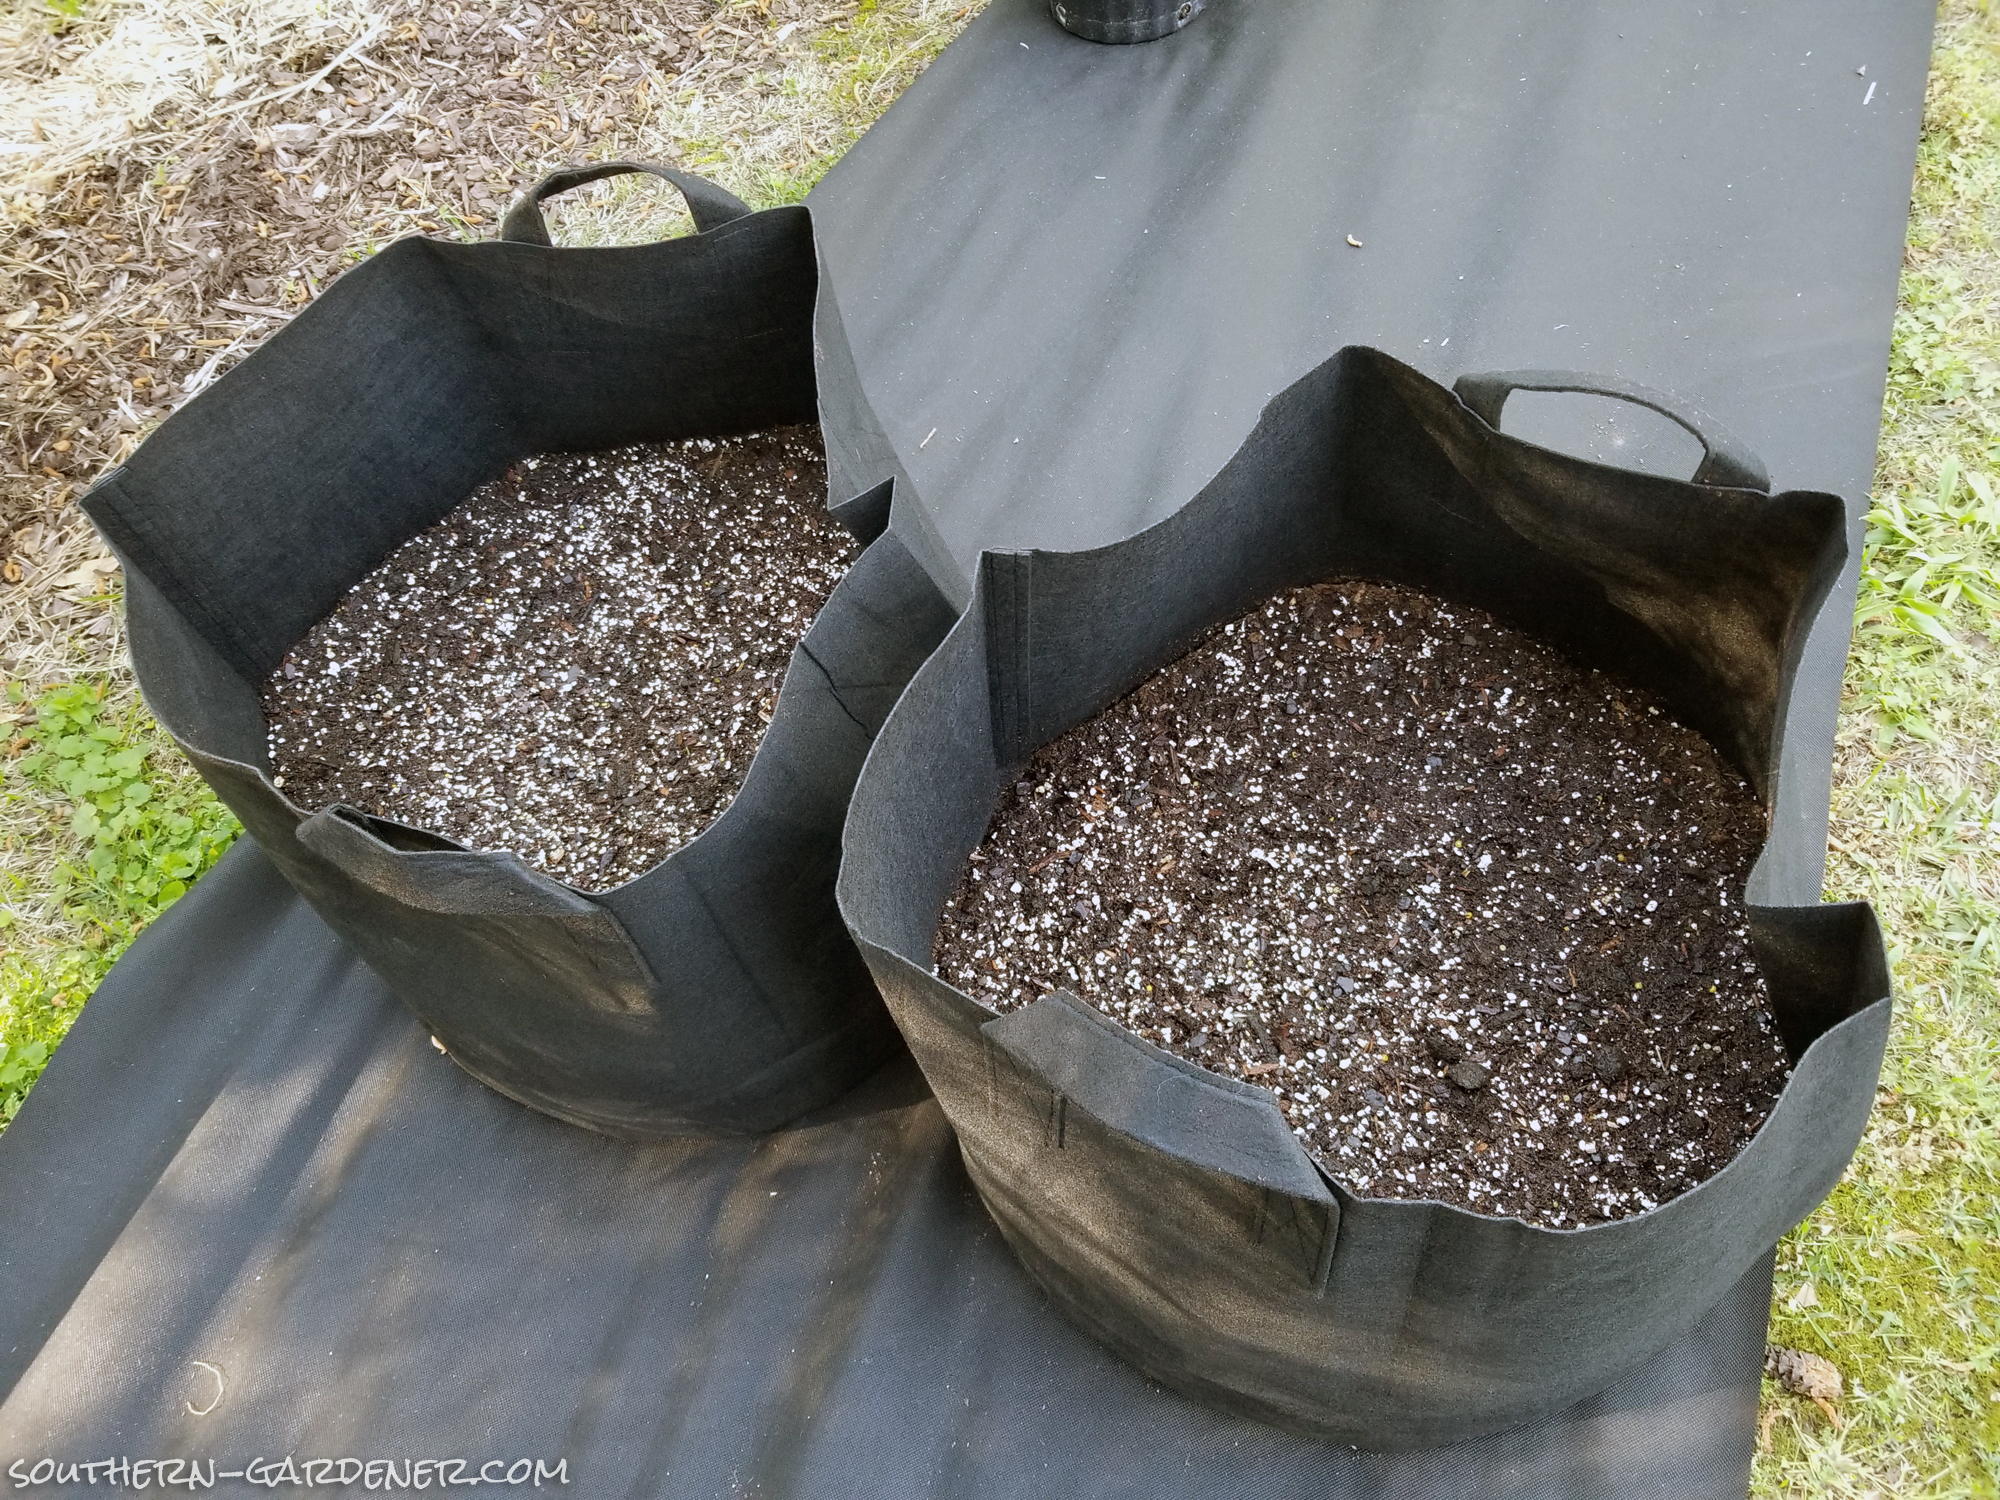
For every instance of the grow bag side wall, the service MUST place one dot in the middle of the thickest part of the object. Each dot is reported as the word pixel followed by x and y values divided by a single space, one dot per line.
pixel 1375 469
pixel 760 880
pixel 1701 592
pixel 1732 234
pixel 716 992
pixel 600 1255
pixel 433 367
pixel 1429 1324
pixel 544 993
pixel 864 473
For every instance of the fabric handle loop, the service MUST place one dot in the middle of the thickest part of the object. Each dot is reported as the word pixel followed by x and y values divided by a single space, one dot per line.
pixel 1726 462
pixel 711 206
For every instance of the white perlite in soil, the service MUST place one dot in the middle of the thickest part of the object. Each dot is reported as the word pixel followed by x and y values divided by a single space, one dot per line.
pixel 1471 913
pixel 578 663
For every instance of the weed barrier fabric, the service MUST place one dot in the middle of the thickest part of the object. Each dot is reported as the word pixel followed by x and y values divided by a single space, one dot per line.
pixel 289 1167
pixel 1704 200
pixel 384 1259
pixel 1170 1209
pixel 716 991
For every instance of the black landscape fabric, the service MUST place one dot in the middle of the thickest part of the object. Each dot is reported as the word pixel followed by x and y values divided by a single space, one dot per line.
pixel 715 992
pixel 1170 1209
pixel 1708 201
pixel 385 1259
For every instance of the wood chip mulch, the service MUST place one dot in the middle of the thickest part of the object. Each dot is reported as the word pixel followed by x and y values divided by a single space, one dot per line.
pixel 130 281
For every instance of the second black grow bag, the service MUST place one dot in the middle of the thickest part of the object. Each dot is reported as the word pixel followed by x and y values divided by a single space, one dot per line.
pixel 716 992
pixel 1171 1211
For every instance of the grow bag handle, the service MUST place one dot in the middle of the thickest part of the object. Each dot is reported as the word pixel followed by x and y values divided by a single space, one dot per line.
pixel 711 206
pixel 1725 461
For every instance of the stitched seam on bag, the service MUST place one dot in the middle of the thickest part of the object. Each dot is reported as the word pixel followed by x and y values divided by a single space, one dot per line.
pixel 825 1041
pixel 770 1010
pixel 1007 651
pixel 1415 1270
pixel 1328 1246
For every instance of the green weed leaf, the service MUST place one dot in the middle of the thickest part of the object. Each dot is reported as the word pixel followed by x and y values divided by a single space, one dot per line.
pixel 141 825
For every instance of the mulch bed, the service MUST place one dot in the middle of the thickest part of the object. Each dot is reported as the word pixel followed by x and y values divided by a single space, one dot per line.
pixel 577 664
pixel 1471 912
pixel 146 272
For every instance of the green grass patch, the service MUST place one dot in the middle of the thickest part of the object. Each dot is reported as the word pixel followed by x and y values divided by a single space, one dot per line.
pixel 131 826
pixel 1897 1277
pixel 61 15
pixel 856 69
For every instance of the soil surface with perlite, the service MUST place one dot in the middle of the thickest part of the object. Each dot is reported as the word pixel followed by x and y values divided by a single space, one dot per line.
pixel 1472 913
pixel 576 664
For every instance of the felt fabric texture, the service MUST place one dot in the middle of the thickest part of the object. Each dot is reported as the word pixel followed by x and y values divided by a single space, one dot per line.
pixel 386 1260
pixel 1706 201
pixel 1116 255
pixel 1170 1210
pixel 716 992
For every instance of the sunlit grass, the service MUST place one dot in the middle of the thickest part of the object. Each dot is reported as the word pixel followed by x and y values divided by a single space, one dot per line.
pixel 770 144
pixel 1897 1278
pixel 127 826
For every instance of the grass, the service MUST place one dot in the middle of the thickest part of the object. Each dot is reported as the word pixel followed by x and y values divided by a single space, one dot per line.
pixel 1897 1277
pixel 91 775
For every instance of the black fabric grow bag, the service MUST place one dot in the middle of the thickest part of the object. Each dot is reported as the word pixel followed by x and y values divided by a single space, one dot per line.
pixel 1171 1211
pixel 716 992
pixel 386 1259
pixel 295 1187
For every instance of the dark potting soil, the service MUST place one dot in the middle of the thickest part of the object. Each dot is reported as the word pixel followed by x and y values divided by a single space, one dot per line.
pixel 1471 913
pixel 576 664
